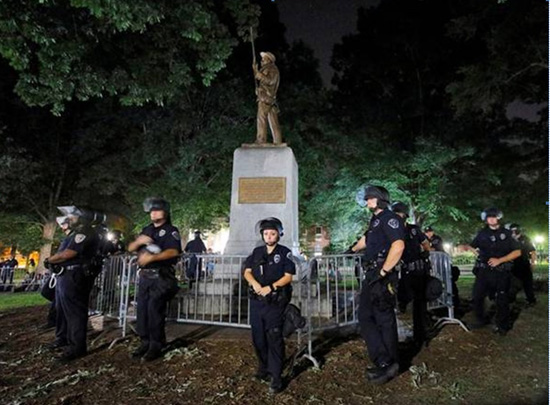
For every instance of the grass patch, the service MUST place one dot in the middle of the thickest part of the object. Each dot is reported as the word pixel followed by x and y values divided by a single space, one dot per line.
pixel 23 299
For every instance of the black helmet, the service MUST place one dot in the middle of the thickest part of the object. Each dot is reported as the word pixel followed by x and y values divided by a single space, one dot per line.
pixel 156 204
pixel 378 192
pixel 491 212
pixel 513 227
pixel 85 216
pixel 270 223
pixel 400 208
pixel 428 229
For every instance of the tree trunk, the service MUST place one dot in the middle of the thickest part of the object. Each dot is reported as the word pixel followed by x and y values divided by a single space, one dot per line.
pixel 46 248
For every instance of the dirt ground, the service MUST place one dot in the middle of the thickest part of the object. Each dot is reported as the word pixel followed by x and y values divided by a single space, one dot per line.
pixel 213 365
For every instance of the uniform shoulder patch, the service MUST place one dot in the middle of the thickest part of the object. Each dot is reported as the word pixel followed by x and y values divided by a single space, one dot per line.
pixel 289 255
pixel 413 231
pixel 393 223
pixel 176 235
pixel 79 237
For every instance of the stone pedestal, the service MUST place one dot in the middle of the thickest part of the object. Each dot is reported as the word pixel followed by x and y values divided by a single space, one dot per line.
pixel 265 184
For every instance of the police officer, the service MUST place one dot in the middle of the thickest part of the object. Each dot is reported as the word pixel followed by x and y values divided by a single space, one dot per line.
pixel 268 271
pixel 522 265
pixel 64 223
pixel 414 272
pixel 72 265
pixel 497 249
pixel 159 246
pixel 384 244
pixel 436 243
pixel 194 247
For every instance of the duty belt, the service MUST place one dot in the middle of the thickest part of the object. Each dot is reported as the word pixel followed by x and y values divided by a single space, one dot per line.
pixel 416 265
pixel 500 267
pixel 154 272
pixel 75 267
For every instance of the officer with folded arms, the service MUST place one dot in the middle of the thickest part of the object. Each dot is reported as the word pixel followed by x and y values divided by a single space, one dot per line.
pixel 384 244
pixel 268 271
pixel 497 249
pixel 158 247
pixel 72 291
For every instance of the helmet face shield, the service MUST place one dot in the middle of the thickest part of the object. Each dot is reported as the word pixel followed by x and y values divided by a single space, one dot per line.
pixel 64 220
pixel 360 197
pixel 270 223
pixel 70 210
pixel 491 212
pixel 380 193
pixel 156 204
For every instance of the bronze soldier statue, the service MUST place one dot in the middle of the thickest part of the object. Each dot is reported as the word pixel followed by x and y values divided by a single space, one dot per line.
pixel 266 90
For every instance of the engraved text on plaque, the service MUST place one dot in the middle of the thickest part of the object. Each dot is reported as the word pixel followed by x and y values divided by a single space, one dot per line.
pixel 262 190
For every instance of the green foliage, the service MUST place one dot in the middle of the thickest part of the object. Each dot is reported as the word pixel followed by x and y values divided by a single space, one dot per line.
pixel 137 51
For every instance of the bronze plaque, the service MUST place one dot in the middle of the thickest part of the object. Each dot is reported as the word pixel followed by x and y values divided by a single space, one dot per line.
pixel 262 190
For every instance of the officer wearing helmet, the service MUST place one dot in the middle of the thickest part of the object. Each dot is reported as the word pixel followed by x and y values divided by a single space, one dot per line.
pixel 436 243
pixel 414 272
pixel 72 263
pixel 523 265
pixel 497 249
pixel 268 271
pixel 384 243
pixel 159 247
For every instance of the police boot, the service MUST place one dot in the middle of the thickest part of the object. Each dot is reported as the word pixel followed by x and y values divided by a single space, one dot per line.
pixel 140 351
pixel 372 372
pixel 261 375
pixel 386 373
pixel 276 386
pixel 152 354
pixel 58 344
pixel 500 331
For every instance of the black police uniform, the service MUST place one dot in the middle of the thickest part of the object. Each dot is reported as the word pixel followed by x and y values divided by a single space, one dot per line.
pixel 493 281
pixel 377 321
pixel 522 268
pixel 72 290
pixel 157 286
pixel 195 246
pixel 412 284
pixel 58 318
pixel 266 313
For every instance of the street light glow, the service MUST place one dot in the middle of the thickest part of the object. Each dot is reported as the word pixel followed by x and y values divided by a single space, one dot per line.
pixel 539 239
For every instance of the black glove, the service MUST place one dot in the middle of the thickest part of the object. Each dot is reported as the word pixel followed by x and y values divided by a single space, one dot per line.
pixel 47 263
pixel 425 254
pixel 373 276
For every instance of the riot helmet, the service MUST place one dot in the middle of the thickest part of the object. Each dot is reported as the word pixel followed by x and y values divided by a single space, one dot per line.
pixel 400 208
pixel 491 212
pixel 85 216
pixel 380 193
pixel 157 204
pixel 270 223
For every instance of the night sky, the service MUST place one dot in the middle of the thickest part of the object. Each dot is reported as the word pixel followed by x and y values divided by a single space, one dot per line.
pixel 320 24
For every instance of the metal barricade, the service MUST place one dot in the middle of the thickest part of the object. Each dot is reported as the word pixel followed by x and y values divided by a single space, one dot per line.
pixel 214 292
pixel 442 269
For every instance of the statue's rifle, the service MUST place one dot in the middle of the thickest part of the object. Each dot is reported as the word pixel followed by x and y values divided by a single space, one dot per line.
pixel 253 57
